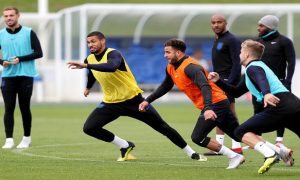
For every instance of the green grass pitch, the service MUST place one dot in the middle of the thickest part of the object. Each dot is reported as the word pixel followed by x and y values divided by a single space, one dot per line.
pixel 60 150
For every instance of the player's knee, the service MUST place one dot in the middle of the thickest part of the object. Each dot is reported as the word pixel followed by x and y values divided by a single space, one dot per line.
pixel 9 110
pixel 239 133
pixel 85 130
pixel 200 140
pixel 88 130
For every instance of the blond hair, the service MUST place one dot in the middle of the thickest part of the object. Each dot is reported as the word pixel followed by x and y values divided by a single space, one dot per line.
pixel 254 48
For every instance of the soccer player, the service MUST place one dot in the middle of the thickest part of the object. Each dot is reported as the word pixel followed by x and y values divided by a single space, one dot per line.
pixel 20 47
pixel 190 77
pixel 121 97
pixel 226 62
pixel 279 55
pixel 281 107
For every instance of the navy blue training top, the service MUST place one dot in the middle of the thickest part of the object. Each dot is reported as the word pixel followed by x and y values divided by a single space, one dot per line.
pixel 225 57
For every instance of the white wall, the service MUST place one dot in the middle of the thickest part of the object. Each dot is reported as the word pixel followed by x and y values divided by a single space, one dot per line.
pixel 74 84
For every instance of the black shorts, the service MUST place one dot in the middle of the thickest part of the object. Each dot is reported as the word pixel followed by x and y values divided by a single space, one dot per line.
pixel 285 114
pixel 225 120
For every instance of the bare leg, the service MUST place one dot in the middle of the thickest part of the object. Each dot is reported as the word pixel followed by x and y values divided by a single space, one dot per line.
pixel 251 139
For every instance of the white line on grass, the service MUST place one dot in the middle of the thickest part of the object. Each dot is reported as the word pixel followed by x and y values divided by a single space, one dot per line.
pixel 23 152
pixel 194 164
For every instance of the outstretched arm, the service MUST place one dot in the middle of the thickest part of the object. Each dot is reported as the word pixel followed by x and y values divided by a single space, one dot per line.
pixel 76 65
pixel 90 77
pixel 163 88
pixel 233 90
pixel 114 61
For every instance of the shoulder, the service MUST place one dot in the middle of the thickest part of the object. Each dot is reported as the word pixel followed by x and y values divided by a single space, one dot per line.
pixel 231 38
pixel 2 31
pixel 26 28
pixel 255 67
pixel 192 64
pixel 113 52
pixel 89 56
pixel 259 40
pixel 26 31
pixel 285 40
pixel 251 68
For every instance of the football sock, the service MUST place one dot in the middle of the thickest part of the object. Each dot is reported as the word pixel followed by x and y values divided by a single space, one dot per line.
pixel 264 149
pixel 235 144
pixel 120 142
pixel 273 147
pixel 188 150
pixel 220 138
pixel 227 152
pixel 279 139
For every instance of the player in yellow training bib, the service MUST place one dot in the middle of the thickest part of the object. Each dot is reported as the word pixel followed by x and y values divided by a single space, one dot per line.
pixel 122 97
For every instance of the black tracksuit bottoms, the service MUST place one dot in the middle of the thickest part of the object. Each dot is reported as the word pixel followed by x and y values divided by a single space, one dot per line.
pixel 13 87
pixel 107 112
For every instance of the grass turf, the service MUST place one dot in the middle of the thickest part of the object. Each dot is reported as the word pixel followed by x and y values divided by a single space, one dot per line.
pixel 60 150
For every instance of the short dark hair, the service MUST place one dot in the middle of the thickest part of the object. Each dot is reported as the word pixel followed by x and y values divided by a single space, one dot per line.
pixel 11 8
pixel 176 44
pixel 99 34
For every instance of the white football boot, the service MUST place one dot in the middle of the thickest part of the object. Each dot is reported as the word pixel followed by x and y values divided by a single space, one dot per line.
pixel 9 143
pixel 25 143
pixel 236 161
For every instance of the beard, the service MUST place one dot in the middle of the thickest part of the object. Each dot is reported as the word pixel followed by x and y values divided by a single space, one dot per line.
pixel 263 33
pixel 174 60
pixel 95 50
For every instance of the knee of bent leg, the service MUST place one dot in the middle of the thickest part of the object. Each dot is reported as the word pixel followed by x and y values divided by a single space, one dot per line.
pixel 239 132
pixel 194 138
pixel 200 140
pixel 88 129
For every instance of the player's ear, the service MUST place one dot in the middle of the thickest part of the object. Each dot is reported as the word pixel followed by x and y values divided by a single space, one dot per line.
pixel 103 41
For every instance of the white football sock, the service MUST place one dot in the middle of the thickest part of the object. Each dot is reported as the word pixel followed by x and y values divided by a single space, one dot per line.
pixel 220 139
pixel 273 147
pixel 264 149
pixel 279 139
pixel 235 144
pixel 227 152
pixel 188 150
pixel 120 142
